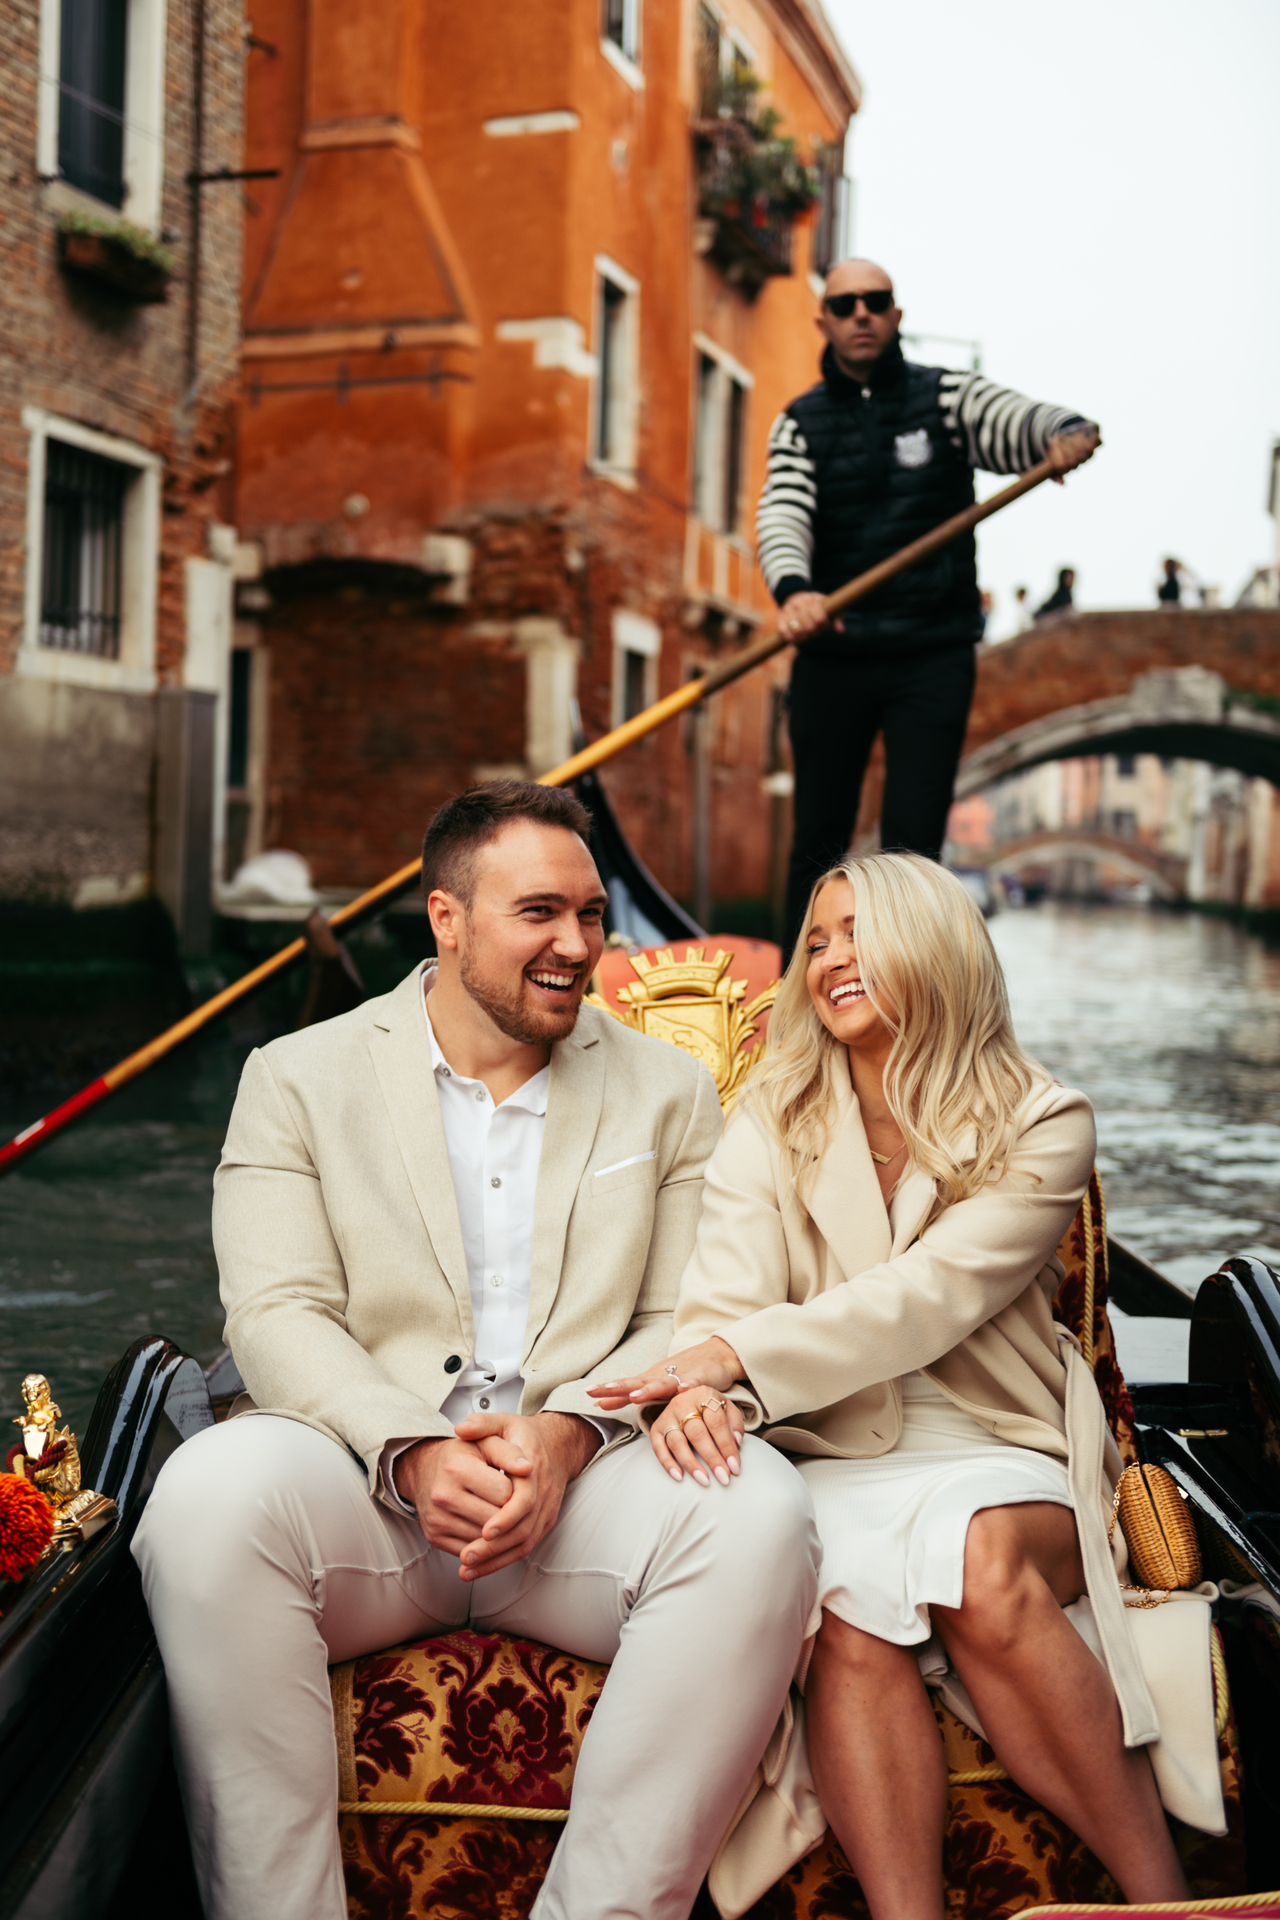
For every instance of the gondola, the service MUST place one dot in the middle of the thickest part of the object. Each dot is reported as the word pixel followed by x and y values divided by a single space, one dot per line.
pixel 92 1827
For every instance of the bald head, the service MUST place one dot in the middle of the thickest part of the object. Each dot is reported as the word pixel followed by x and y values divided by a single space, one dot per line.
pixel 857 276
pixel 858 336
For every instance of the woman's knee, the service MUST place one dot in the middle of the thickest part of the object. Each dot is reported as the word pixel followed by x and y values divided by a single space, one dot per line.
pixel 1003 1582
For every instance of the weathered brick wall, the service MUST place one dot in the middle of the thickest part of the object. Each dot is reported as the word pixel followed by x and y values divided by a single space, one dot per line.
pixel 384 702
pixel 92 357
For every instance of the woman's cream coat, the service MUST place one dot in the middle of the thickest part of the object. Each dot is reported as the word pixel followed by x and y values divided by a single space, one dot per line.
pixel 829 1301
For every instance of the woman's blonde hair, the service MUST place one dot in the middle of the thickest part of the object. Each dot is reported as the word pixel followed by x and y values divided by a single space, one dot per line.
pixel 931 973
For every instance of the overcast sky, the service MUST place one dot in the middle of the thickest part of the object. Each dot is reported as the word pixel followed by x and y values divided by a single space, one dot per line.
pixel 1093 192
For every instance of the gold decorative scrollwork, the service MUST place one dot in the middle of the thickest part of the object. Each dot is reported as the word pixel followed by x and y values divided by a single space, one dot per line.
pixel 692 1003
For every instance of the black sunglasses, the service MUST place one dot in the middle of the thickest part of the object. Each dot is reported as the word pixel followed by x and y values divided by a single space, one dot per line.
pixel 879 300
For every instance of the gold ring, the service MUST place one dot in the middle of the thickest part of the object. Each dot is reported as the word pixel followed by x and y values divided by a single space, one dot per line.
pixel 668 1431
pixel 695 1415
pixel 715 1405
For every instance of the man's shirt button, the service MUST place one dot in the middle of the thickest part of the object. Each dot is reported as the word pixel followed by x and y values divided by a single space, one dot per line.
pixel 479 1093
pixel 484 1403
pixel 495 1182
pixel 453 1363
pixel 497 1279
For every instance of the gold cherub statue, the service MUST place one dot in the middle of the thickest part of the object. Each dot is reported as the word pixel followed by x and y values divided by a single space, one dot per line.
pixel 51 1457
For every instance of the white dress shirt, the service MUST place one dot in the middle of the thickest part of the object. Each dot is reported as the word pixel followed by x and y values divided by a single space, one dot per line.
pixel 493 1156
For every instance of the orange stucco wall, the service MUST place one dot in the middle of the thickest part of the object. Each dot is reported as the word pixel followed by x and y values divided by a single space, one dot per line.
pixel 380 402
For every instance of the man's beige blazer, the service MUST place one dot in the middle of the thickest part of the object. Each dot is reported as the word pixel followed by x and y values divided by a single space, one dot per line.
pixel 339 1248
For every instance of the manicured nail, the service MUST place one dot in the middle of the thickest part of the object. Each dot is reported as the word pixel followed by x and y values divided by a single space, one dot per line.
pixel 701 1477
pixel 722 1476
pixel 675 1473
pixel 734 1466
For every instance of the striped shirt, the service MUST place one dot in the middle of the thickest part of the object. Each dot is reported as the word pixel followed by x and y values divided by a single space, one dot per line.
pixel 993 427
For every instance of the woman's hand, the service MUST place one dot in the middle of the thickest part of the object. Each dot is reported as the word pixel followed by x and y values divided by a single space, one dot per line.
pixel 712 1363
pixel 698 1426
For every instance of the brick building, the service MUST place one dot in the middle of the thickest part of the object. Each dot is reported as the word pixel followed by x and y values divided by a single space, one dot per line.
pixel 118 337
pixel 519 310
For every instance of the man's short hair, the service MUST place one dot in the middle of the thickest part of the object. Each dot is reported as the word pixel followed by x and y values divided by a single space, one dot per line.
pixel 472 819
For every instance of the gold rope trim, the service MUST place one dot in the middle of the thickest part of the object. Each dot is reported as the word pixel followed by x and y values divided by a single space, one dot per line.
pixel 1090 1261
pixel 1221 1690
pixel 977 1776
pixel 1229 1903
pixel 452 1810
pixel 342 1693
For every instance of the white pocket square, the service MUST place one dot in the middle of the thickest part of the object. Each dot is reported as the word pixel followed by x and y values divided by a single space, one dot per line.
pixel 631 1161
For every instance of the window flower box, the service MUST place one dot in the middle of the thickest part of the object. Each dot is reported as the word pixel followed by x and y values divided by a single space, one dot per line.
pixel 753 187
pixel 115 255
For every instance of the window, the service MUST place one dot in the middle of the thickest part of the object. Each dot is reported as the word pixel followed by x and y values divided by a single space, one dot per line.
pixel 621 26
pixel 238 718
pixel 637 643
pixel 719 438
pixel 614 429
pixel 725 62
pixel 83 527
pixel 612 394
pixel 831 223
pixel 708 58
pixel 92 556
pixel 101 122
pixel 91 86
pixel 1126 765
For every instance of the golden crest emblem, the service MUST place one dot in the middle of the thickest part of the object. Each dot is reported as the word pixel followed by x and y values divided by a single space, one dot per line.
pixel 693 1004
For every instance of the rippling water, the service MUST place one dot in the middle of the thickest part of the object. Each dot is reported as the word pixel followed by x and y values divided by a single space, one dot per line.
pixel 1171 1023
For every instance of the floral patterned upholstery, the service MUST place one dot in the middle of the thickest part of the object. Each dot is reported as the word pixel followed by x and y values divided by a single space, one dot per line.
pixel 469 1722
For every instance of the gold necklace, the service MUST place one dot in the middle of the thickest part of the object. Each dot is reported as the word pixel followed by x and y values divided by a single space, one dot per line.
pixel 883 1159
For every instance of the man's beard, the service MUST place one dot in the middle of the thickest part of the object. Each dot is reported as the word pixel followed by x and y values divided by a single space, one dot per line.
pixel 530 1026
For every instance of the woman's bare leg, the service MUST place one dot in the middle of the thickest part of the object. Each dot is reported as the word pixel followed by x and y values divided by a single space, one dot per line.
pixel 1046 1703
pixel 879 1768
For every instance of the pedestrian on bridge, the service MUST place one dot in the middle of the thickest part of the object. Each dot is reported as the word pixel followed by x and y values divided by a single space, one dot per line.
pixel 875 454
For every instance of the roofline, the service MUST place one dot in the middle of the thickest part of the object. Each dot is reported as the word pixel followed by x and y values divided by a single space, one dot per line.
pixel 812 42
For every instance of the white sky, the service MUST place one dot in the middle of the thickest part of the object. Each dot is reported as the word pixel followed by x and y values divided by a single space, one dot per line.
pixel 1092 192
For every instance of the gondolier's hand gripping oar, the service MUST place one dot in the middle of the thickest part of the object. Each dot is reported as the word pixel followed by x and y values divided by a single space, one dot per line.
pixel 593 756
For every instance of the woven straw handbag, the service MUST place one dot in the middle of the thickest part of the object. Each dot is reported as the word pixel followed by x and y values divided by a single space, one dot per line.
pixel 1159 1532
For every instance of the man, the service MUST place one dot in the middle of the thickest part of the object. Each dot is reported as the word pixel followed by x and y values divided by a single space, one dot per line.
pixel 872 457
pixel 438 1219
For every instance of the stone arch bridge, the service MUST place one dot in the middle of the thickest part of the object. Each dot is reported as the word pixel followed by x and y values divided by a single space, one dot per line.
pixel 1164 873
pixel 1192 684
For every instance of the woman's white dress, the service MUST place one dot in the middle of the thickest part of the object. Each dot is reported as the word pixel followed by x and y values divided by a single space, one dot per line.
pixel 893 1528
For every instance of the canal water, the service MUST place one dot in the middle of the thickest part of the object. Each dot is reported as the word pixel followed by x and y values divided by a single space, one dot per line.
pixel 1171 1024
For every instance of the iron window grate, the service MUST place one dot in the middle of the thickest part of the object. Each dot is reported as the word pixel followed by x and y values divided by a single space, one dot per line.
pixel 83 527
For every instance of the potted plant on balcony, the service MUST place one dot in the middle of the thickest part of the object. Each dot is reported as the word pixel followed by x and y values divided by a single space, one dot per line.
pixel 115 254
pixel 753 184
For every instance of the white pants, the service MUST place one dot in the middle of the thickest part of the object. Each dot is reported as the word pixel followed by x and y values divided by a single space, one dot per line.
pixel 264 1559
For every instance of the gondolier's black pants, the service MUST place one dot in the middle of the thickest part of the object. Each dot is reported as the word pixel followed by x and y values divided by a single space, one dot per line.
pixel 837 707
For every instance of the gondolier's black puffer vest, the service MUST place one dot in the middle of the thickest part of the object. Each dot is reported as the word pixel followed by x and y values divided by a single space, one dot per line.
pixel 886 472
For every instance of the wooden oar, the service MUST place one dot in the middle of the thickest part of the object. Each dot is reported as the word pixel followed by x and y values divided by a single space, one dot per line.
pixel 603 749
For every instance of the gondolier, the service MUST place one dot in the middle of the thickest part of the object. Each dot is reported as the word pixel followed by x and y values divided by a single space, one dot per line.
pixel 874 455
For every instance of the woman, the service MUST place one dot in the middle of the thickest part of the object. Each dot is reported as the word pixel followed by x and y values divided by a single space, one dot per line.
pixel 872 1282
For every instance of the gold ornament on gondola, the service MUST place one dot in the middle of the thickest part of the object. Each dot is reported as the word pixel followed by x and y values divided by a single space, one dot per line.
pixel 692 1004
pixel 50 1460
